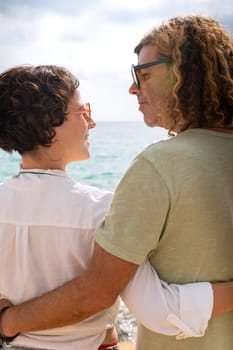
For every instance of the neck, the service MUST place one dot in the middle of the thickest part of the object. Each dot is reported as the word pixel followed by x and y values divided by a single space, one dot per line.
pixel 34 160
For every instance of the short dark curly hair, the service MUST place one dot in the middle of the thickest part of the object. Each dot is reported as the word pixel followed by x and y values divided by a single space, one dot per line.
pixel 202 70
pixel 33 101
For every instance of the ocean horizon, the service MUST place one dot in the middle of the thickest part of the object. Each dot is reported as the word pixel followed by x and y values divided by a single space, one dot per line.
pixel 113 146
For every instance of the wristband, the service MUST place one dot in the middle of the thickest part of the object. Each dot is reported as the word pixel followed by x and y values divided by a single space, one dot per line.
pixel 3 338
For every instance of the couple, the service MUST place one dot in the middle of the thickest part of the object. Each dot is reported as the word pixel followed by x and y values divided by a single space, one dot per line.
pixel 173 206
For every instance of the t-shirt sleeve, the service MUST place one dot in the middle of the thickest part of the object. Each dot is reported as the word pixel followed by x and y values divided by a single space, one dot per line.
pixel 137 216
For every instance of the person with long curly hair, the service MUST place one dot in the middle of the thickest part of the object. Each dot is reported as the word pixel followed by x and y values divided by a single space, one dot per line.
pixel 174 205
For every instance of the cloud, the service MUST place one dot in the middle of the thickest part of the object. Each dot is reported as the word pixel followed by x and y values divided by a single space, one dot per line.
pixel 55 6
pixel 94 39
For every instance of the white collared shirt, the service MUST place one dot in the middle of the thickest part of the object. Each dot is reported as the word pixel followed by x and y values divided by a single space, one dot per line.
pixel 46 239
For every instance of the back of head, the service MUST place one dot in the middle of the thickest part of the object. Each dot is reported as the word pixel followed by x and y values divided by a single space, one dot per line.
pixel 202 70
pixel 33 101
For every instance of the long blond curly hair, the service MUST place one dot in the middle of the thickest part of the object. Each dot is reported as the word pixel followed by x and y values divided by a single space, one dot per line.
pixel 202 54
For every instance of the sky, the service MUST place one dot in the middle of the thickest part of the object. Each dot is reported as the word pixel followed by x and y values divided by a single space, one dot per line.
pixel 94 39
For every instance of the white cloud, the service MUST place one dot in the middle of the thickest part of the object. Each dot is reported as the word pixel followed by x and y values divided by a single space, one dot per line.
pixel 94 39
pixel 132 5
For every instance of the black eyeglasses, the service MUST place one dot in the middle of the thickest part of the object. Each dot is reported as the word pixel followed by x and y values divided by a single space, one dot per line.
pixel 134 69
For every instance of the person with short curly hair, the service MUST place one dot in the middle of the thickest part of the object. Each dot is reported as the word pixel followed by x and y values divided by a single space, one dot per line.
pixel 174 204
pixel 47 220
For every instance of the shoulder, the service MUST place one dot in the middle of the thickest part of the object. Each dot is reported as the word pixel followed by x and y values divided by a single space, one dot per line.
pixel 177 148
pixel 166 147
pixel 60 201
pixel 90 194
pixel 87 205
pixel 161 159
pixel 82 195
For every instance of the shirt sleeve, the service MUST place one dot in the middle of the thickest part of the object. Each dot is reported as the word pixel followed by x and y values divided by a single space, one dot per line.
pixel 171 309
pixel 134 224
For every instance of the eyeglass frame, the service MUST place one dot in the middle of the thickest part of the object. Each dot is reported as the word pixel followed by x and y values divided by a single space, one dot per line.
pixel 86 108
pixel 134 68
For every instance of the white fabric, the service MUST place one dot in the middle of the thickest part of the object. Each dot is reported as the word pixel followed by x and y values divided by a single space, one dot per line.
pixel 181 310
pixel 46 238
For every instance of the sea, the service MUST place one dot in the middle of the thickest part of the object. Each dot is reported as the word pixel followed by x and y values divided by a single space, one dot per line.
pixel 113 146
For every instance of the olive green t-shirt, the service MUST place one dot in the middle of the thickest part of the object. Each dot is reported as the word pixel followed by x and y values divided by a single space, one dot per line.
pixel 175 205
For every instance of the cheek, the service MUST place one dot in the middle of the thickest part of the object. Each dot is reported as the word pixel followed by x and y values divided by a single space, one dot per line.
pixel 162 86
pixel 81 131
pixel 169 82
pixel 156 90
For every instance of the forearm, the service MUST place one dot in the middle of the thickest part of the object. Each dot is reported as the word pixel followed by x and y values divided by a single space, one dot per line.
pixel 54 309
pixel 75 300
pixel 223 298
pixel 169 309
pixel 173 309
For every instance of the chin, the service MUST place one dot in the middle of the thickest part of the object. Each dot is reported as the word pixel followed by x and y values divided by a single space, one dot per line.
pixel 153 120
pixel 150 122
pixel 83 156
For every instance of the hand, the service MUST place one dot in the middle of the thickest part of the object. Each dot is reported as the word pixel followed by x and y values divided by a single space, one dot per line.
pixel 5 302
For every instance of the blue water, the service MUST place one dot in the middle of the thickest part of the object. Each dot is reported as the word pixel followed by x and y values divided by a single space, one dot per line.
pixel 113 146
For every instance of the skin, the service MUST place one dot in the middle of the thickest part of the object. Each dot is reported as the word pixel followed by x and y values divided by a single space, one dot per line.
pixel 155 87
pixel 74 301
pixel 70 144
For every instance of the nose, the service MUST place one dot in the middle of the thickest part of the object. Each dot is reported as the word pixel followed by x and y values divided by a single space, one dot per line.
pixel 91 123
pixel 133 89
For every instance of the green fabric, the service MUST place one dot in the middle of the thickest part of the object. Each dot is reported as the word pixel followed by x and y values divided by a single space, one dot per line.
pixel 175 204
